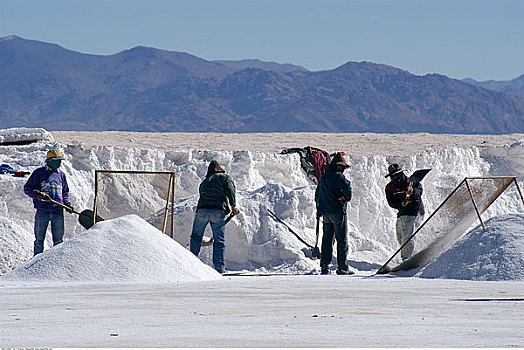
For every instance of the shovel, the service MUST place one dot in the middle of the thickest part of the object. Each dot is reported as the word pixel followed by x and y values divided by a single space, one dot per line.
pixel 312 249
pixel 85 218
pixel 209 240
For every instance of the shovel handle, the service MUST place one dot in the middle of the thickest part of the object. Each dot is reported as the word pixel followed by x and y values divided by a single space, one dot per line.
pixel 317 231
pixel 49 199
pixel 228 219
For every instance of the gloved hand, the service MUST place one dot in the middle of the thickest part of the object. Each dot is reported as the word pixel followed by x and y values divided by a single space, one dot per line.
pixel 409 191
pixel 41 196
pixel 406 200
pixel 70 209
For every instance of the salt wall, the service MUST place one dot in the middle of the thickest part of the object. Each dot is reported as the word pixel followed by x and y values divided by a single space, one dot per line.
pixel 254 240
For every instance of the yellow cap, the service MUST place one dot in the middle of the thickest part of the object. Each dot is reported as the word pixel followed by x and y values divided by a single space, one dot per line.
pixel 54 154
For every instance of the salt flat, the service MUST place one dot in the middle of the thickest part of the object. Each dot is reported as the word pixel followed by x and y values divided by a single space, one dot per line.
pixel 266 311
pixel 276 304
pixel 357 144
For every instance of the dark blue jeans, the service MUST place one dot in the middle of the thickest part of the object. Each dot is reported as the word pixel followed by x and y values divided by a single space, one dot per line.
pixel 217 219
pixel 42 219
pixel 334 226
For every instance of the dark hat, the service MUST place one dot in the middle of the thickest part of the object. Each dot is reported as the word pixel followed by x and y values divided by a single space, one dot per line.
pixel 339 159
pixel 214 168
pixel 394 169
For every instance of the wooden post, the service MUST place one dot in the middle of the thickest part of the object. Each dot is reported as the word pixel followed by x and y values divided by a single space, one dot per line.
pixel 518 189
pixel 173 204
pixel 95 202
pixel 167 204
pixel 475 205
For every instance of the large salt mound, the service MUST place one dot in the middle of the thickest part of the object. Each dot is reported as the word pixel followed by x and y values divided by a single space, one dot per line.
pixel 15 246
pixel 494 255
pixel 125 249
pixel 24 135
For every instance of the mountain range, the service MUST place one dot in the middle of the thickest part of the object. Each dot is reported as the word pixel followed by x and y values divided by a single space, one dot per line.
pixel 147 89
pixel 512 87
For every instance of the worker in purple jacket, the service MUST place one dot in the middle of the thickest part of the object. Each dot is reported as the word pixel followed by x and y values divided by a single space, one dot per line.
pixel 44 183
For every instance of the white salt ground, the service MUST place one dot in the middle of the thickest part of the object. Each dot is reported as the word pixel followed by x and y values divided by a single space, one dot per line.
pixel 494 255
pixel 295 311
pixel 122 250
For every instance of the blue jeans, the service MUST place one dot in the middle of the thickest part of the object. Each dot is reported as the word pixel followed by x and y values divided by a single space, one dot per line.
pixel 42 219
pixel 217 219
pixel 334 226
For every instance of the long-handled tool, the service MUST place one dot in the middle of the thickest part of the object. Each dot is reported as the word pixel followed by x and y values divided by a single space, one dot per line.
pixel 85 218
pixel 315 251
pixel 311 248
pixel 209 240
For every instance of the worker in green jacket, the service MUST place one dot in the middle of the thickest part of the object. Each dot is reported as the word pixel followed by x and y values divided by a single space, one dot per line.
pixel 217 199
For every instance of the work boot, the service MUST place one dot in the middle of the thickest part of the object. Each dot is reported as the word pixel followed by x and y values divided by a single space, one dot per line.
pixel 344 272
pixel 221 271
pixel 324 271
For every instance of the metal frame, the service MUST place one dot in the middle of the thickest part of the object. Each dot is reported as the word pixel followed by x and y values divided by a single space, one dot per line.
pixel 170 193
pixel 493 198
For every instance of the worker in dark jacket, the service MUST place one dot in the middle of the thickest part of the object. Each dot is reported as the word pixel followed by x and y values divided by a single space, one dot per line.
pixel 44 183
pixel 407 199
pixel 217 198
pixel 331 196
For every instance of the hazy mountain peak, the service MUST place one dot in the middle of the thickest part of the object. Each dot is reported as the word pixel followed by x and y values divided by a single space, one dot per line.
pixel 513 87
pixel 369 67
pixel 10 37
pixel 259 64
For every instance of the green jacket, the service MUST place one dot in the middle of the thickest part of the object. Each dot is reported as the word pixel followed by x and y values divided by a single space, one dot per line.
pixel 215 192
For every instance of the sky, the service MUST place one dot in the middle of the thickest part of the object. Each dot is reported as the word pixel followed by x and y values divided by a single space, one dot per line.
pixel 480 39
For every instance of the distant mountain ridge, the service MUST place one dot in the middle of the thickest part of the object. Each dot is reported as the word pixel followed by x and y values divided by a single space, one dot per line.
pixel 512 87
pixel 254 63
pixel 147 89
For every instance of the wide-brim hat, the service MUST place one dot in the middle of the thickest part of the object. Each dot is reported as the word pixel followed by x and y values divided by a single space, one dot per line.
pixel 54 154
pixel 394 169
pixel 339 159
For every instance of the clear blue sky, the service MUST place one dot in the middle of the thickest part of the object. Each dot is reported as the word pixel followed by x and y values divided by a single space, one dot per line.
pixel 482 39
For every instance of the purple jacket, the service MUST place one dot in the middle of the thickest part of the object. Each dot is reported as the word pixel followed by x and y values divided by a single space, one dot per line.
pixel 51 182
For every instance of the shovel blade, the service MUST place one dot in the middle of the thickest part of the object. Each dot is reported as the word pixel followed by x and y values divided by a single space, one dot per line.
pixel 207 241
pixel 316 253
pixel 418 175
pixel 85 218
